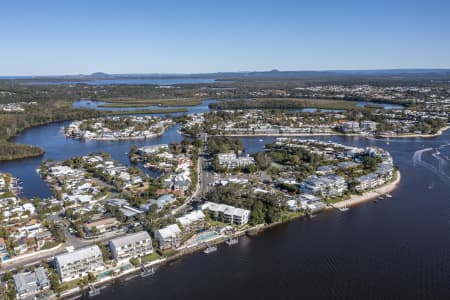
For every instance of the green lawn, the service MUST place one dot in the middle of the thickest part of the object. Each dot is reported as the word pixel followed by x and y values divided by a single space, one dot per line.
pixel 150 257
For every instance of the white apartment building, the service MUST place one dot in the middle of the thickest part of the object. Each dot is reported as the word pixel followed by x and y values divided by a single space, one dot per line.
pixel 231 161
pixel 76 264
pixel 227 213
pixel 169 237
pixel 192 221
pixel 131 245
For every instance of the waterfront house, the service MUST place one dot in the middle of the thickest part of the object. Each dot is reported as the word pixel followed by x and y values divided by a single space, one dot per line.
pixel 131 246
pixel 78 263
pixel 193 221
pixel 30 283
pixel 153 149
pixel 169 237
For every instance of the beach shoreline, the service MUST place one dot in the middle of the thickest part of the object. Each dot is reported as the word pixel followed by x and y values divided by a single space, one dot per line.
pixel 440 132
pixel 369 195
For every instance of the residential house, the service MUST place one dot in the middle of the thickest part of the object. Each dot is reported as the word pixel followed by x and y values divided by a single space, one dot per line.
pixel 30 283
pixel 102 226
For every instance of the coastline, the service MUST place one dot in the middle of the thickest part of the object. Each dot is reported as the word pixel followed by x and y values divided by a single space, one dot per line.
pixel 440 132
pixel 366 196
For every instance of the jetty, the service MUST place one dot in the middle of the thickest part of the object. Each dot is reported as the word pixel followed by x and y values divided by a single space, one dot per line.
pixel 232 241
pixel 93 291
pixel 341 209
pixel 147 271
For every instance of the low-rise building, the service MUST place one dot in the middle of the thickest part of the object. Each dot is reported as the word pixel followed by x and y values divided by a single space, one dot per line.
pixel 43 237
pixel 368 181
pixel 227 213
pixel 192 221
pixel 350 127
pixel 131 246
pixel 30 283
pixel 102 226
pixel 231 160
pixel 368 126
pixel 327 186
pixel 76 264
pixel 169 237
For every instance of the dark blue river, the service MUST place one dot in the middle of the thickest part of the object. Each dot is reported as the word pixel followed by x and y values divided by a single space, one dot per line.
pixel 398 248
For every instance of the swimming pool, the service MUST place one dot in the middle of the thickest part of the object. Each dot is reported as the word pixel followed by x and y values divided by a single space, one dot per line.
pixel 205 236
pixel 104 274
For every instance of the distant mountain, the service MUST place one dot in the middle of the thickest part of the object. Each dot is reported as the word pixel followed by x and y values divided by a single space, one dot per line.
pixel 99 75
pixel 262 75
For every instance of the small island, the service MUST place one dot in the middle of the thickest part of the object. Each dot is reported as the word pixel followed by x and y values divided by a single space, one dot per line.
pixel 118 128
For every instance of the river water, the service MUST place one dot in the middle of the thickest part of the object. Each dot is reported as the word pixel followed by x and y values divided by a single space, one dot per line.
pixel 398 248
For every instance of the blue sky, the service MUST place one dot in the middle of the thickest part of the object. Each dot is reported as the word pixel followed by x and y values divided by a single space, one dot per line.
pixel 69 37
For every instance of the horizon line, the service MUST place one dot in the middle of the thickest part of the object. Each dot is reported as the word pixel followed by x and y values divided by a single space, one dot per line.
pixel 231 72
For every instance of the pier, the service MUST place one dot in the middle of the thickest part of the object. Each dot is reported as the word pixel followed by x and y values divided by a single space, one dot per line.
pixel 232 241
pixel 341 209
pixel 147 271
pixel 93 291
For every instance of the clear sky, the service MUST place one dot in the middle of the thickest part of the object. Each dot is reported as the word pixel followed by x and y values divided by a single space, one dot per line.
pixel 41 37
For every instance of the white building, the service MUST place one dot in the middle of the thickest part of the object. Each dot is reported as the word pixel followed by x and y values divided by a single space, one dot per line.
pixel 227 213
pixel 153 149
pixel 76 264
pixel 169 237
pixel 328 185
pixel 192 221
pixel 131 245
pixel 231 161
pixel 368 126
pixel 350 127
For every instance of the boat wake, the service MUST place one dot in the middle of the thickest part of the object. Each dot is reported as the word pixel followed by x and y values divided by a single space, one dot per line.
pixel 441 163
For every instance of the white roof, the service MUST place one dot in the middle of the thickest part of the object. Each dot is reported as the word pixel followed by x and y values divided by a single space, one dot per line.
pixel 79 254
pixel 130 238
pixel 191 217
pixel 169 231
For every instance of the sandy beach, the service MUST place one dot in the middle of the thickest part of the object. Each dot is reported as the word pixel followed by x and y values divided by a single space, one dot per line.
pixel 356 199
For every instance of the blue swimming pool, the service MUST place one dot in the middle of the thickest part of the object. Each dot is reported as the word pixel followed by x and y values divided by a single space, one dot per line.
pixel 205 236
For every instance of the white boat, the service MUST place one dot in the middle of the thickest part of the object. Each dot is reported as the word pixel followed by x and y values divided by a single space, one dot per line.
pixel 210 249
pixel 388 195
